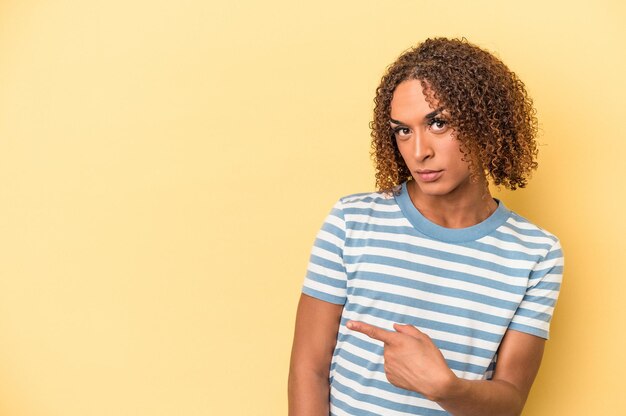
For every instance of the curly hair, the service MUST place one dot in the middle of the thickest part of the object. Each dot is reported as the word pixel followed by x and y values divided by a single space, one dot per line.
pixel 491 114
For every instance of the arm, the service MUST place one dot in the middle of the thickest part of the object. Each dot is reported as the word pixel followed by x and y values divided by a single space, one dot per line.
pixel 317 324
pixel 519 358
pixel 413 362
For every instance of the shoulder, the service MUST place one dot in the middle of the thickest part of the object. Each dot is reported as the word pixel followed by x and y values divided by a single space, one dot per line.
pixel 367 200
pixel 525 227
pixel 363 207
pixel 520 230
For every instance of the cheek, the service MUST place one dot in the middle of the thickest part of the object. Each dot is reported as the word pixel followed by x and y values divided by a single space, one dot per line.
pixel 460 164
pixel 402 149
pixel 453 152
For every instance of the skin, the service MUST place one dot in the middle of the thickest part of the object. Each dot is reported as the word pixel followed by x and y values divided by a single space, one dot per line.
pixel 427 144
pixel 317 324
pixel 444 193
pixel 413 362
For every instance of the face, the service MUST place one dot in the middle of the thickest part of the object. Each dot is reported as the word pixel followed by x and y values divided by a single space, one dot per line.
pixel 427 144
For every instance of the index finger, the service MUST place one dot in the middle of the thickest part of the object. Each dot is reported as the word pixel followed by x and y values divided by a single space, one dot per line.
pixel 371 331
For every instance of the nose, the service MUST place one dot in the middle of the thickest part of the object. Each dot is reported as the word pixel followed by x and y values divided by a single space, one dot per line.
pixel 422 146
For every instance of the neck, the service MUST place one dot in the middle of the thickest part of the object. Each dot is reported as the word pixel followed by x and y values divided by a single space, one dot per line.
pixel 454 210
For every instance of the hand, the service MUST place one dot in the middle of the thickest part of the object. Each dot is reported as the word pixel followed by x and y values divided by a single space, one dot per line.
pixel 412 361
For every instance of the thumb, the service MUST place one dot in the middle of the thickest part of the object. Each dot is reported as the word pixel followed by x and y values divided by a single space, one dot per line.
pixel 408 330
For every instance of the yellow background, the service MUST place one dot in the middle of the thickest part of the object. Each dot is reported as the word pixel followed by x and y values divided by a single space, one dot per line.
pixel 164 166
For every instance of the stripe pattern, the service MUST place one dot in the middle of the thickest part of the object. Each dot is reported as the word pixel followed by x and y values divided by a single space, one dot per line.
pixel 376 255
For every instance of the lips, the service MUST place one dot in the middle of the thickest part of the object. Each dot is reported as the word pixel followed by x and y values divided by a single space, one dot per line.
pixel 428 175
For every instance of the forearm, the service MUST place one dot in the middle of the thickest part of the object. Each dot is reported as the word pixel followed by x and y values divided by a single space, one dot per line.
pixel 413 362
pixel 519 358
pixel 482 397
pixel 308 393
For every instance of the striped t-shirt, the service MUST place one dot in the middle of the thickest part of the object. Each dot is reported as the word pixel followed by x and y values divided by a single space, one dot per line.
pixel 386 263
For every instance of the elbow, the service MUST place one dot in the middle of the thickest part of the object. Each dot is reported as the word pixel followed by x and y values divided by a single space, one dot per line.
pixel 517 401
pixel 307 371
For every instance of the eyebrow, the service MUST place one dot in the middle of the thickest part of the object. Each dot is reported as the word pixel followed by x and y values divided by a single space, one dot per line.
pixel 428 116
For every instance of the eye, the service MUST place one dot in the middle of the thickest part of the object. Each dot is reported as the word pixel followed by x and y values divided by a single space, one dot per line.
pixel 437 125
pixel 401 131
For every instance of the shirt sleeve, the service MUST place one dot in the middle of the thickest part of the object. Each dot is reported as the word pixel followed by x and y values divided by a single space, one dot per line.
pixel 535 311
pixel 326 274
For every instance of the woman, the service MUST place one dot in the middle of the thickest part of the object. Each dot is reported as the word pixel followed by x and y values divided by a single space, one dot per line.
pixel 429 297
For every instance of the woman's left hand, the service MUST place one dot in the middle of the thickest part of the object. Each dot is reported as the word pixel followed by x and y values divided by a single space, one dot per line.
pixel 412 361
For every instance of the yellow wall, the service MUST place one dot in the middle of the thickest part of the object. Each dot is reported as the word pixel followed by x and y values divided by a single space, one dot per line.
pixel 164 166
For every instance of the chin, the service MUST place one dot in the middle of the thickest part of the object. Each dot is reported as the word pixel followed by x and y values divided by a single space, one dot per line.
pixel 433 189
pixel 438 189
pixel 436 193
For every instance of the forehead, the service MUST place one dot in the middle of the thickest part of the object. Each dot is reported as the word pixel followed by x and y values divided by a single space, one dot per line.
pixel 410 99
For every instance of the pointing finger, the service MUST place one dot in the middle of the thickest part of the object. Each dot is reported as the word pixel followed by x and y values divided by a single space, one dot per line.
pixel 371 331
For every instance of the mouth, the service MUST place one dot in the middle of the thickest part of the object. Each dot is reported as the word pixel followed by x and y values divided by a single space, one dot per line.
pixel 427 175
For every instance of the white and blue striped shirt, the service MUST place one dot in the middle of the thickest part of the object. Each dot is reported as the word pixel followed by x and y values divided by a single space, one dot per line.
pixel 386 263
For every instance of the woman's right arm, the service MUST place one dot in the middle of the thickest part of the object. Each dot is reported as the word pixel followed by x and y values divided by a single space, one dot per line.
pixel 317 324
